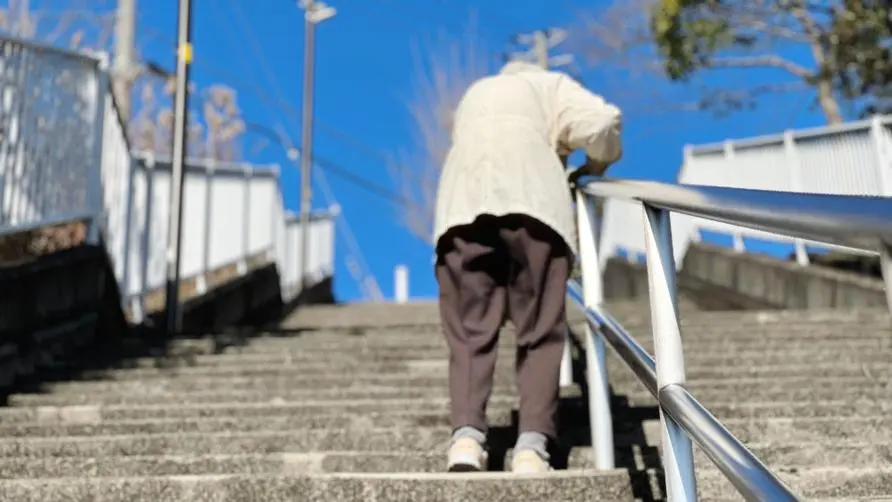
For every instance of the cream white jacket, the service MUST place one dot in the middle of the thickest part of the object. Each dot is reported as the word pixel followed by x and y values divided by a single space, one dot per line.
pixel 507 133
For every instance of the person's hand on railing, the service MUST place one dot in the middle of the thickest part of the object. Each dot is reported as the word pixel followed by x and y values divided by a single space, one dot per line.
pixel 594 167
pixel 590 168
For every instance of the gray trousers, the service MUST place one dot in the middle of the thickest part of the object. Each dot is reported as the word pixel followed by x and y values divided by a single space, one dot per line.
pixel 499 268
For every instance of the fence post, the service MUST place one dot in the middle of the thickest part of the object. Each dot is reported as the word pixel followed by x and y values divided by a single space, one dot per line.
pixel 678 458
pixel 16 150
pixel 146 253
pixel 884 173
pixel 129 227
pixel 273 253
pixel 793 160
pixel 290 254
pixel 202 282
pixel 738 243
pixel 246 223
pixel 94 193
pixel 600 420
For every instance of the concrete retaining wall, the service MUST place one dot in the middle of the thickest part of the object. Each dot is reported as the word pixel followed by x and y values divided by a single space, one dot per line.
pixel 722 279
pixel 60 315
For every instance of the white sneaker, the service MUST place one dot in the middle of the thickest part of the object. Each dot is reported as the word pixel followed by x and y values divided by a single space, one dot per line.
pixel 529 462
pixel 467 455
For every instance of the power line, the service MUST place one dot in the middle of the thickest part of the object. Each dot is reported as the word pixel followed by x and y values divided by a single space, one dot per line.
pixel 368 284
pixel 363 183
pixel 330 166
pixel 273 96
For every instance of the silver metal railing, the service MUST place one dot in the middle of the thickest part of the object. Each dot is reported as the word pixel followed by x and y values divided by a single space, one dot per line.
pixel 750 476
pixel 856 222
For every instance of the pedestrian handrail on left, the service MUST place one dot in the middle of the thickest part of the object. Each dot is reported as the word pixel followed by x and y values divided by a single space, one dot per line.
pixel 65 157
pixel 849 221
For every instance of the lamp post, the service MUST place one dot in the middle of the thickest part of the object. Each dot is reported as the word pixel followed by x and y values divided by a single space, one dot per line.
pixel 314 12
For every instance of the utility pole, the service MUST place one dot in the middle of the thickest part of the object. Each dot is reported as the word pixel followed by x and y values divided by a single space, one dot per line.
pixel 180 129
pixel 314 12
pixel 540 43
pixel 124 69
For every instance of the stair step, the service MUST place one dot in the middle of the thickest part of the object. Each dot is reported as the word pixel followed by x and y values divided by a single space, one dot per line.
pixel 428 367
pixel 815 352
pixel 789 456
pixel 760 390
pixel 765 391
pixel 299 440
pixel 811 483
pixel 499 407
pixel 242 439
pixel 422 337
pixel 411 487
pixel 825 482
pixel 278 383
pixel 223 395
pixel 870 428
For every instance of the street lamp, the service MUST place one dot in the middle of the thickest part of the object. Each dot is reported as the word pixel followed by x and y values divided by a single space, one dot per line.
pixel 314 12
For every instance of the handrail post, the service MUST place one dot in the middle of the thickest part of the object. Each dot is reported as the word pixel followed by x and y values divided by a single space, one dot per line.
pixel 204 278
pixel 738 245
pixel 600 419
pixel 792 157
pixel 145 245
pixel 242 264
pixel 678 459
pixel 880 144
pixel 94 194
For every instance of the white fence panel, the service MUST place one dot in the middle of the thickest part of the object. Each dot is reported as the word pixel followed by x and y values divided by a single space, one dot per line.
pixel 50 118
pixel 195 224
pixel 263 196
pixel 139 236
pixel 65 155
pixel 850 159
pixel 228 224
pixel 158 225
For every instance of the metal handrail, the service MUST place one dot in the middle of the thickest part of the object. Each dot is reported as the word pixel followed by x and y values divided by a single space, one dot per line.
pixel 745 471
pixel 855 222
pixel 629 350
pixel 80 55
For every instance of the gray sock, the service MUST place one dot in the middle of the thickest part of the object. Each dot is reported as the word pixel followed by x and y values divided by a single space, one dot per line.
pixel 470 432
pixel 535 441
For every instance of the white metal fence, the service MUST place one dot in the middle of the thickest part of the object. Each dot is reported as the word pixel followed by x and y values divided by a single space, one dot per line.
pixel 65 156
pixel 850 159
pixel 48 149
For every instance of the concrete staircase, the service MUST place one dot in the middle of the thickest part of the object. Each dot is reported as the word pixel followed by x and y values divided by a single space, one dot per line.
pixel 349 403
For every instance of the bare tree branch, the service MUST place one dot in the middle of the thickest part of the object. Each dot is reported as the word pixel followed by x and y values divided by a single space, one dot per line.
pixel 766 61
pixel 442 75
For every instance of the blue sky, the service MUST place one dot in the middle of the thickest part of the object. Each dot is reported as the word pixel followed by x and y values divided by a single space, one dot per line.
pixel 365 78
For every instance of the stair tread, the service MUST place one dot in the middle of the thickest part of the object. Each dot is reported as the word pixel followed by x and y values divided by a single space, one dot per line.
pixel 355 409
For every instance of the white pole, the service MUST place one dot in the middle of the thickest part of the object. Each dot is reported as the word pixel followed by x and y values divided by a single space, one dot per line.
pixel 600 418
pixel 401 284
pixel 678 458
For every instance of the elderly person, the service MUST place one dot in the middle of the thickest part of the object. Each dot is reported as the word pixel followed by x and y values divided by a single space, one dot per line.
pixel 505 241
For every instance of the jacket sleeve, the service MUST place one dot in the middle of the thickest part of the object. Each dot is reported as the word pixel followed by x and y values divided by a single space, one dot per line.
pixel 585 121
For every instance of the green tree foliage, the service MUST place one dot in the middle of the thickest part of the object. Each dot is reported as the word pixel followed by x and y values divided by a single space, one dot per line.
pixel 848 41
pixel 861 37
